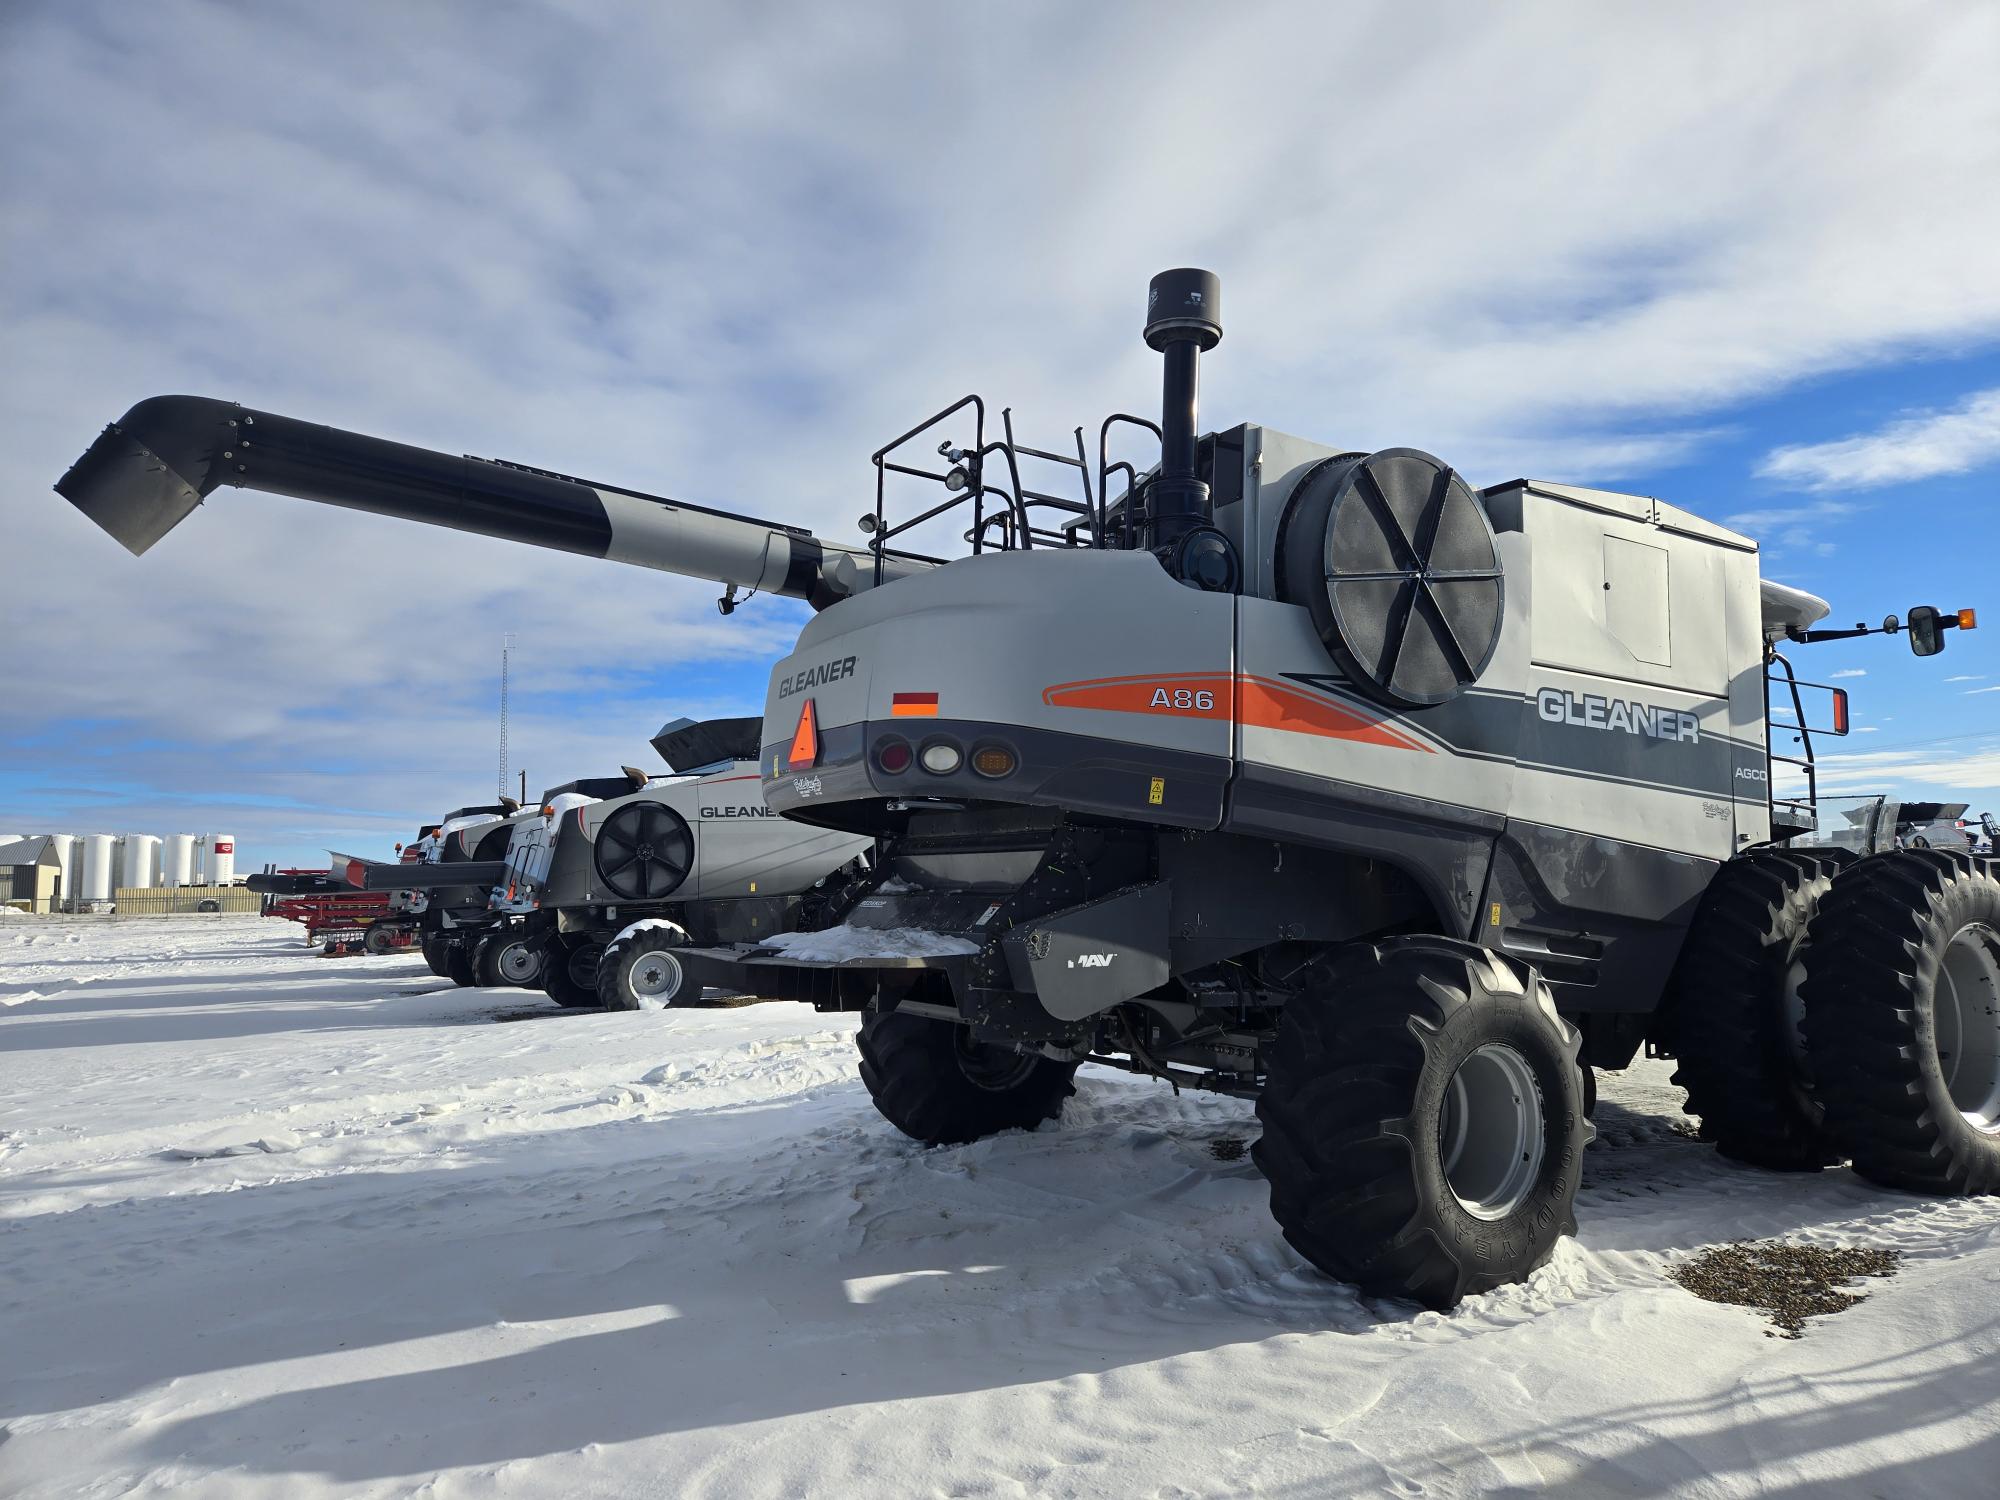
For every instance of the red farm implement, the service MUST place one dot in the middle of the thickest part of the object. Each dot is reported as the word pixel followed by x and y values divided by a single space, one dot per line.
pixel 333 913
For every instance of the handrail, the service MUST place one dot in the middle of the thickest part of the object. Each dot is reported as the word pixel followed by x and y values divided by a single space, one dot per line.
pixel 1010 523
pixel 1811 800
pixel 1105 468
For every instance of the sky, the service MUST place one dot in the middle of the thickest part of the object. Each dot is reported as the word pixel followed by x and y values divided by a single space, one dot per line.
pixel 1743 259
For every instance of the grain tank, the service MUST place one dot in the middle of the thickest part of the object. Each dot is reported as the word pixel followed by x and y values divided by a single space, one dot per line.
pixel 138 861
pixel 65 847
pixel 218 858
pixel 100 864
pixel 177 860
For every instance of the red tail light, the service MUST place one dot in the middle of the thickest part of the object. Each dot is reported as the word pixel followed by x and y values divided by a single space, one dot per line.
pixel 1840 710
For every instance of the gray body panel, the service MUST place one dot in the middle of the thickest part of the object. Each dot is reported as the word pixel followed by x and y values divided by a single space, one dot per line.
pixel 1569 807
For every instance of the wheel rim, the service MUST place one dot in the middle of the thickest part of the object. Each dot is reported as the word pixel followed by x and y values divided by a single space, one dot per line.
pixel 985 1066
pixel 518 963
pixel 1965 1024
pixel 1490 1132
pixel 656 976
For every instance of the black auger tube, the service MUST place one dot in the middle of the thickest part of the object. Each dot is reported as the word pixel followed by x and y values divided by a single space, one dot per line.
pixel 150 469
pixel 1183 318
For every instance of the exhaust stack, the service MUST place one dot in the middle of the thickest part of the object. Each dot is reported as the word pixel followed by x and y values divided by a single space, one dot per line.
pixel 150 469
pixel 1183 322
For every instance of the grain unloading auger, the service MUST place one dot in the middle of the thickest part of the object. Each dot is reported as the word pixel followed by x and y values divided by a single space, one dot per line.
pixel 148 471
pixel 1317 776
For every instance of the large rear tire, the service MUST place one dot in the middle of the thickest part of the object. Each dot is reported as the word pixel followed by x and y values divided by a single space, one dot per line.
pixel 1902 1020
pixel 1733 1003
pixel 935 1083
pixel 640 972
pixel 569 973
pixel 1423 1120
pixel 458 963
pixel 435 950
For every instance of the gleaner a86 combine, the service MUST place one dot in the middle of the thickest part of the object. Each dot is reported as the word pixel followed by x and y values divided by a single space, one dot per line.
pixel 1303 774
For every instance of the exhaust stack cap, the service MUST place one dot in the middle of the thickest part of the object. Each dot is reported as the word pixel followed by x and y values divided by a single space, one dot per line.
pixel 1184 304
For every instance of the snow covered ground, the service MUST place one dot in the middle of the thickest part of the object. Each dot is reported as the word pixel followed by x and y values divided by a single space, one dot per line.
pixel 277 1225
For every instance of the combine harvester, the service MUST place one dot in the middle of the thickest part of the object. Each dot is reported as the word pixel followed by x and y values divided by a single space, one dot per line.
pixel 594 889
pixel 1303 774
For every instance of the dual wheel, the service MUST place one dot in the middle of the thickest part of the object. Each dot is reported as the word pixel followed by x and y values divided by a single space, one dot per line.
pixel 1826 1010
pixel 492 961
pixel 636 971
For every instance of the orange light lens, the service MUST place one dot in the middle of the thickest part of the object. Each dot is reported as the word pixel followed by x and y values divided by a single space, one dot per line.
pixel 993 760
pixel 1840 711
pixel 1968 619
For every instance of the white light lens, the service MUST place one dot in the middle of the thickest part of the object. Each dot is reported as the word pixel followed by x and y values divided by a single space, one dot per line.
pixel 940 759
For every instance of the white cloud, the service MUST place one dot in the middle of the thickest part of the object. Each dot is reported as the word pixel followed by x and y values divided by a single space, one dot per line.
pixel 1921 445
pixel 1970 691
pixel 1968 677
pixel 1850 672
pixel 721 255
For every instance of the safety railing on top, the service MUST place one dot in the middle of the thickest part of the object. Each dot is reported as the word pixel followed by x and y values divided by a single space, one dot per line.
pixel 1007 513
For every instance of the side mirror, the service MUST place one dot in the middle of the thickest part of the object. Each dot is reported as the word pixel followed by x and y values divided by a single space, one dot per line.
pixel 1926 635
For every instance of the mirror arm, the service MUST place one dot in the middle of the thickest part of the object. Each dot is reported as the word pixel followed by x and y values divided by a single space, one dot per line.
pixel 1807 637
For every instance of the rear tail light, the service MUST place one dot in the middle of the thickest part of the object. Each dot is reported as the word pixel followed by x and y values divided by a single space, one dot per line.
pixel 941 757
pixel 1840 710
pixel 894 756
pixel 994 761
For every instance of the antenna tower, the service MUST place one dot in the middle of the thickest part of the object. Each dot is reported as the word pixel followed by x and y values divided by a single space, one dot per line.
pixel 506 651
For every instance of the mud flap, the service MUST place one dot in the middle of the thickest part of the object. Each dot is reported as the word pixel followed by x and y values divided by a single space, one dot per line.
pixel 1087 958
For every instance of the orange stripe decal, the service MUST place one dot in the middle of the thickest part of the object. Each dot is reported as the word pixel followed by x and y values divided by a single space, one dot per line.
pixel 1268 704
pixel 1261 702
pixel 1185 695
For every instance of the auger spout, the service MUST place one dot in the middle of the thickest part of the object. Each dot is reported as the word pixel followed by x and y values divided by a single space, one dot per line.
pixel 147 471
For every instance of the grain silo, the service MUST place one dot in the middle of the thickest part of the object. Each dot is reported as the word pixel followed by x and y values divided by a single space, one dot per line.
pixel 218 858
pixel 138 862
pixel 100 862
pixel 177 860
pixel 65 847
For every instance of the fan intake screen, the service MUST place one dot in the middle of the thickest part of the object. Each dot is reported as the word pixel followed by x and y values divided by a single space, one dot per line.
pixel 643 851
pixel 1410 589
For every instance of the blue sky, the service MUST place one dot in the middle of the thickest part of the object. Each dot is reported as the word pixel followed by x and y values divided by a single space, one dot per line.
pixel 1743 260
